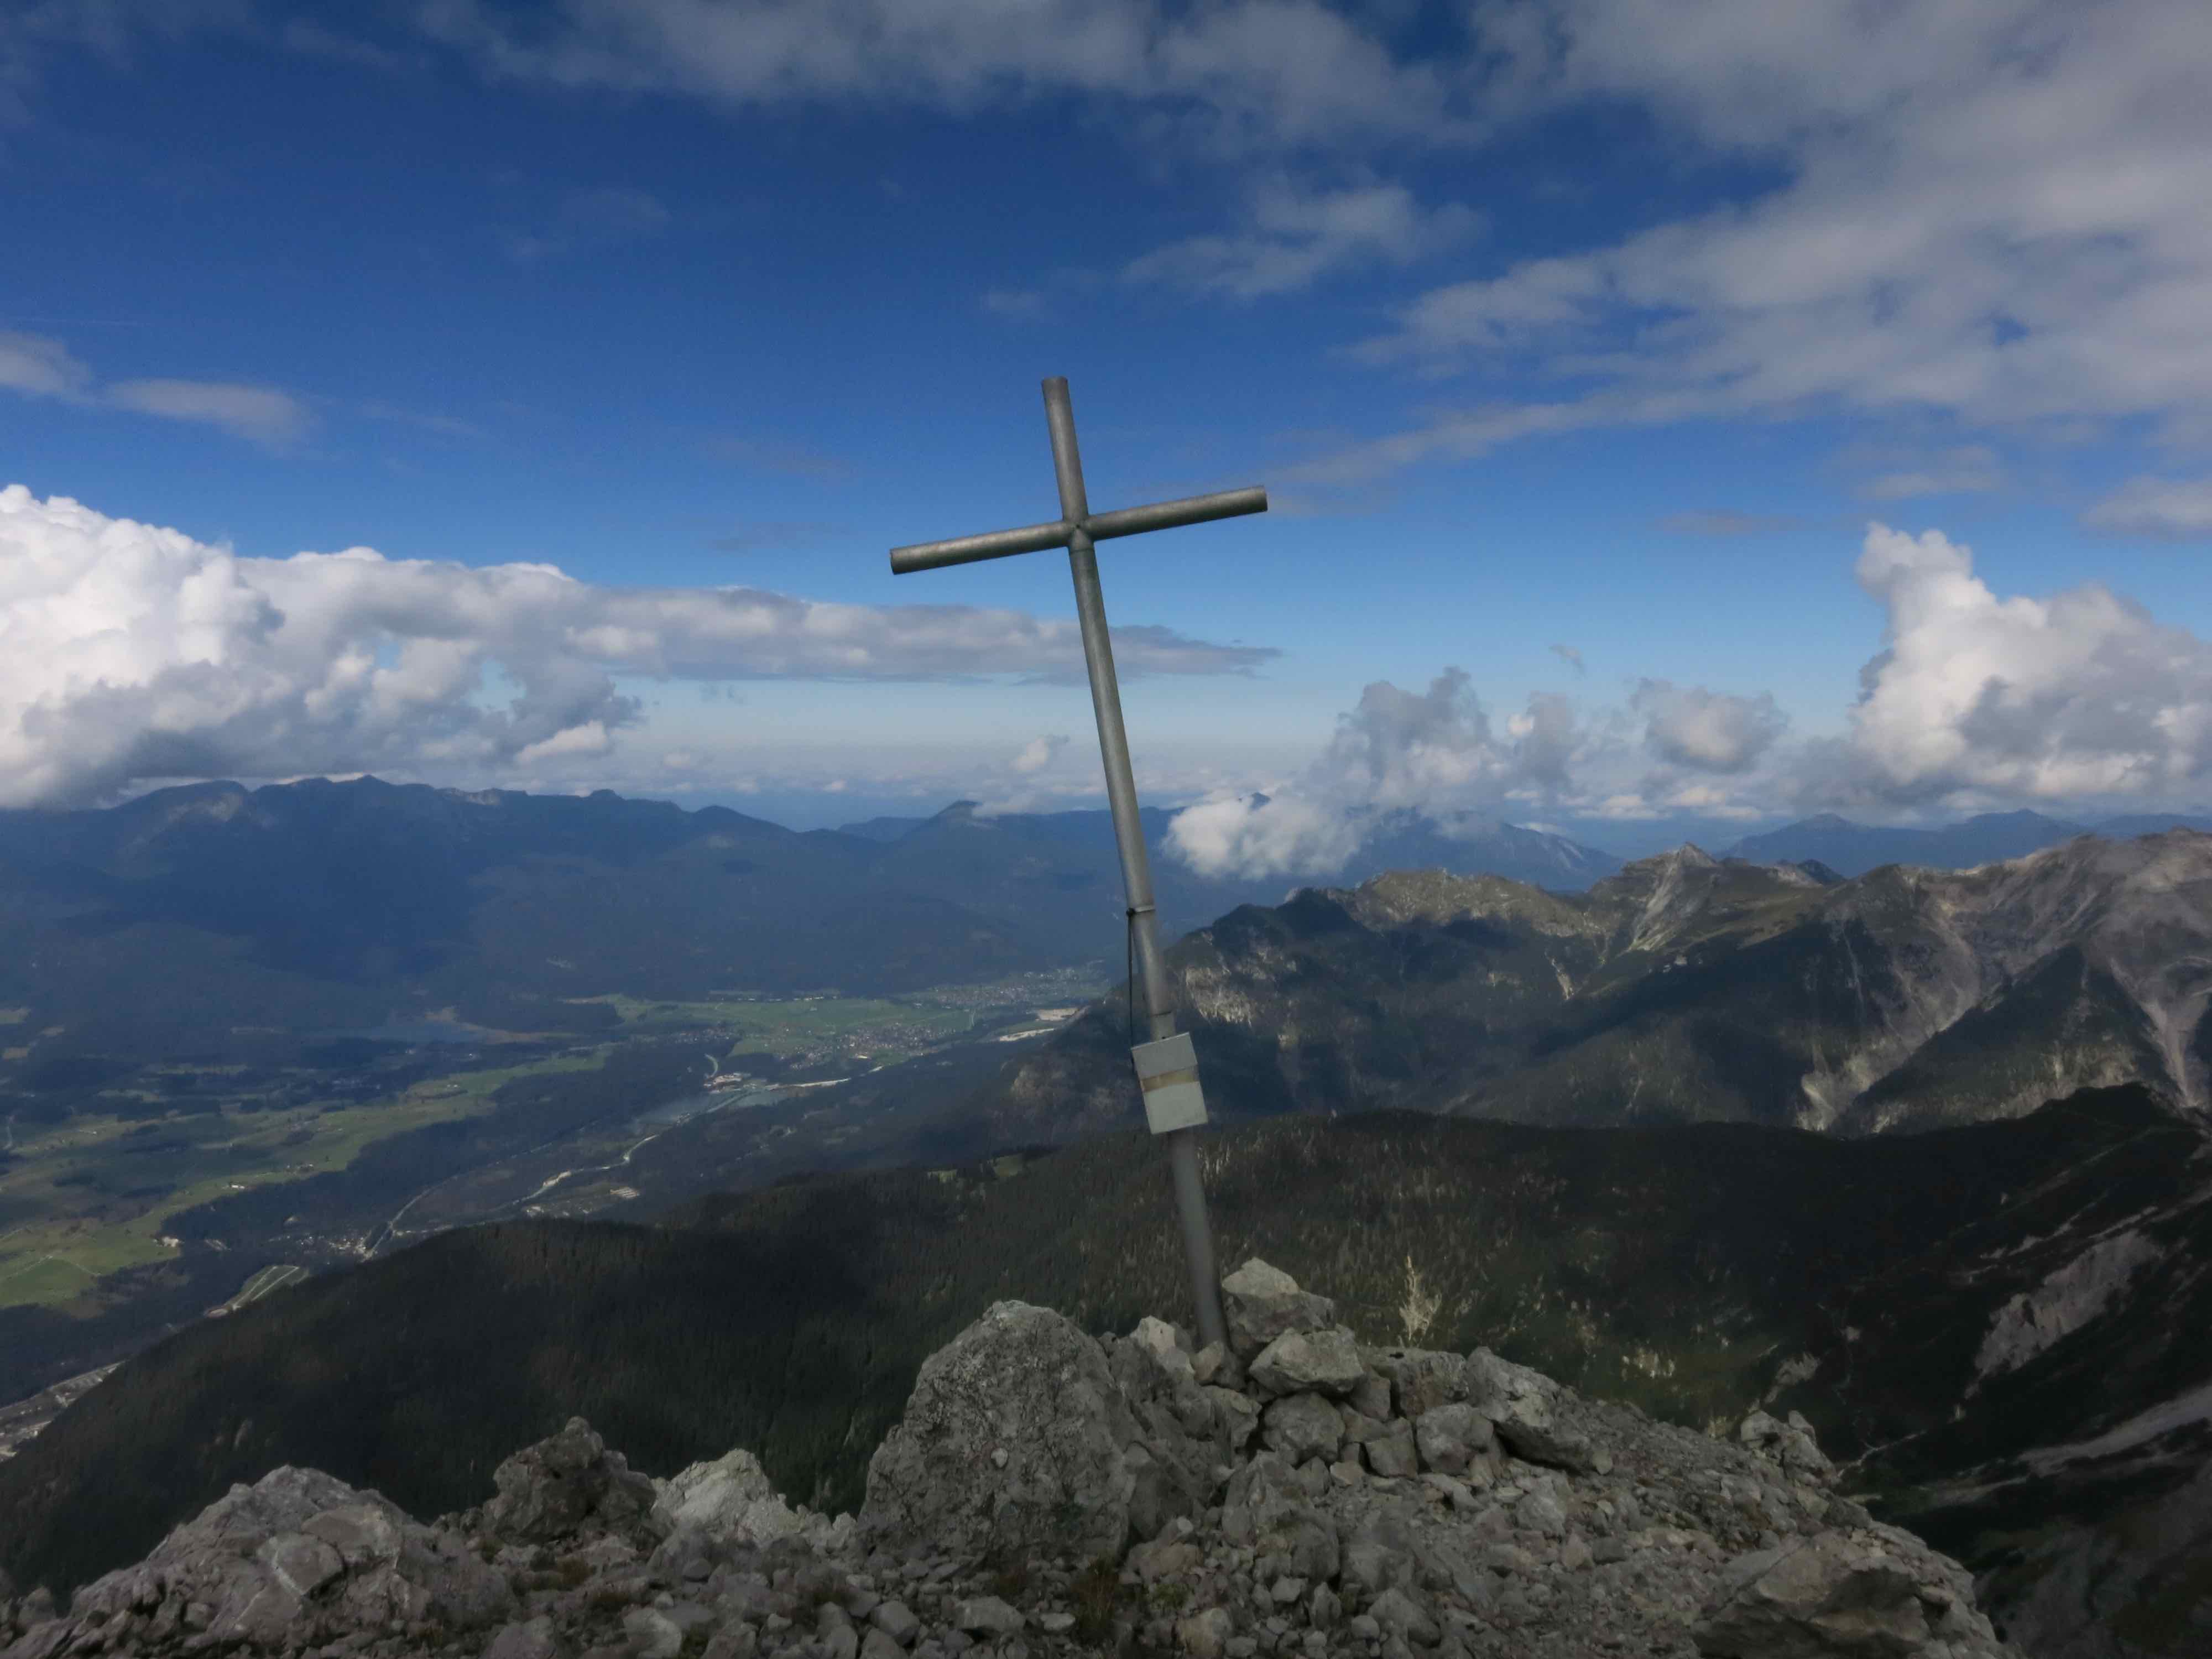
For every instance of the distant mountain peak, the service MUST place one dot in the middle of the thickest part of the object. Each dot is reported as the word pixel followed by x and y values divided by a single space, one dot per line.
pixel 962 813
pixel 1688 855
pixel 2024 815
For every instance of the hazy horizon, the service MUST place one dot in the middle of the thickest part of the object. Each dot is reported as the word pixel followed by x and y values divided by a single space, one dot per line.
pixel 1625 841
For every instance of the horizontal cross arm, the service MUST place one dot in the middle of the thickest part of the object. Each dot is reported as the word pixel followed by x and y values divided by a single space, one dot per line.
pixel 1166 515
pixel 1102 526
pixel 992 544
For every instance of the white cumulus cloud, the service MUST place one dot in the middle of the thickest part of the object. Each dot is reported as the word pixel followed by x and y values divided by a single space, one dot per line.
pixel 2081 693
pixel 132 652
pixel 1432 752
pixel 1707 731
pixel 1038 754
pixel 2078 701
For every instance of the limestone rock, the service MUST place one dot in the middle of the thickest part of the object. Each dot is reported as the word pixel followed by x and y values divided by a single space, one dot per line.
pixel 1371 1396
pixel 986 1615
pixel 1379 1554
pixel 1159 1493
pixel 1166 1346
pixel 1028 1452
pixel 1236 1414
pixel 1791 1444
pixel 731 1500
pixel 1204 1635
pixel 1525 1405
pixel 1214 1363
pixel 1266 1508
pixel 1420 1378
pixel 1176 1425
pixel 1326 1360
pixel 283 1562
pixel 1301 1425
pixel 532 1638
pixel 1400 1615
pixel 732 1495
pixel 566 1484
pixel 1323 1608
pixel 1840 1593
pixel 895 1619
pixel 1164 1557
pixel 1012 1441
pixel 1451 1436
pixel 1392 1454
pixel 652 1634
pixel 1260 1303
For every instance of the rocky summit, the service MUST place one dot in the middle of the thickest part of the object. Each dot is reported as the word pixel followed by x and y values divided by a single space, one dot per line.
pixel 1046 1492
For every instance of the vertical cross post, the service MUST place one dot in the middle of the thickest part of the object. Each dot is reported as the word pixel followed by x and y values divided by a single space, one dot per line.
pixel 1167 1068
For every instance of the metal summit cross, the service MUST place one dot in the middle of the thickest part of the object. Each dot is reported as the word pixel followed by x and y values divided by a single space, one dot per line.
pixel 1167 1067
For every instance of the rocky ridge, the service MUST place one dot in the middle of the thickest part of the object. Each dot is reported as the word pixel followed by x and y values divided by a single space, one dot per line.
pixel 1681 988
pixel 1296 1493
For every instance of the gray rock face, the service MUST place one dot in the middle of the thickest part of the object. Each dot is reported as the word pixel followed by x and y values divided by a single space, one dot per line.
pixel 1028 1451
pixel 530 1638
pixel 1379 1555
pixel 1451 1436
pixel 732 1496
pixel 1178 1425
pixel 1266 1507
pixel 1327 1361
pixel 1790 1443
pixel 1013 1441
pixel 1236 1415
pixel 1260 1303
pixel 1301 1425
pixel 986 1615
pixel 1929 946
pixel 1393 1452
pixel 1844 1594
pixel 1418 1378
pixel 652 1634
pixel 295 1554
pixel 566 1482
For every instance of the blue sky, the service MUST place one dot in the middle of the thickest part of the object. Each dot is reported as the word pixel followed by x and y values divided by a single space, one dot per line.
pixel 1676 419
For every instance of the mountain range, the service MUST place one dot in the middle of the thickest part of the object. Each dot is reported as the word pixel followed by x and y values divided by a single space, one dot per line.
pixel 143 929
pixel 1682 988
pixel 1852 849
